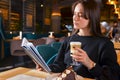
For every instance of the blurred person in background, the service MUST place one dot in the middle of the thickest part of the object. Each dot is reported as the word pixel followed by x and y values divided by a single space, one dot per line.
pixel 114 31
pixel 105 28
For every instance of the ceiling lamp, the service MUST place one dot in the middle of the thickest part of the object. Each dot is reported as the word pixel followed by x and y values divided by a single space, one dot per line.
pixel 56 14
pixel 111 2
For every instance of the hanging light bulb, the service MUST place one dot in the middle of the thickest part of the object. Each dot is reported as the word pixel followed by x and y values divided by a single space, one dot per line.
pixel 111 2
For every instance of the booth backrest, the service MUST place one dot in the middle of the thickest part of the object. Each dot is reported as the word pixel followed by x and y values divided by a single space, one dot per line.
pixel 2 33
pixel 46 52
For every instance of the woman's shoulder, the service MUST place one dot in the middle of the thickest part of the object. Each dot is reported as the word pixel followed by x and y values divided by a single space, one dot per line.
pixel 104 40
pixel 95 39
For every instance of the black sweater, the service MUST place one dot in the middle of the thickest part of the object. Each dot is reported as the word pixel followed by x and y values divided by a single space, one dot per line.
pixel 99 49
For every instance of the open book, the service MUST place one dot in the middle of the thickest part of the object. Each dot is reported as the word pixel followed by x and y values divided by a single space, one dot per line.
pixel 33 53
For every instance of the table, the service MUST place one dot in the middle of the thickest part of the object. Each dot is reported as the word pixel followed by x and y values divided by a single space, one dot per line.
pixel 3 47
pixel 26 71
pixel 21 70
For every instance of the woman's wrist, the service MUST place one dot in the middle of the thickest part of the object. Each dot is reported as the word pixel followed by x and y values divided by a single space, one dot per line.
pixel 92 65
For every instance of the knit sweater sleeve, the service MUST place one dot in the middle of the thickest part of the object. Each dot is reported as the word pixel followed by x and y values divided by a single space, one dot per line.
pixel 106 68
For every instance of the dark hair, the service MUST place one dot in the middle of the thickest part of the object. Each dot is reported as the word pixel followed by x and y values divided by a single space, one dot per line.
pixel 91 12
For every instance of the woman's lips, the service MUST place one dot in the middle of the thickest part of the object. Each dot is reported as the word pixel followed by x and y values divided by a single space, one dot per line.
pixel 75 23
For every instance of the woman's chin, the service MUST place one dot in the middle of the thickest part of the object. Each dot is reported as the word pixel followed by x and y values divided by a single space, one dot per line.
pixel 76 28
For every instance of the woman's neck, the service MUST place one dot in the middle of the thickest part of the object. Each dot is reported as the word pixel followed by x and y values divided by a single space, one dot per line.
pixel 84 33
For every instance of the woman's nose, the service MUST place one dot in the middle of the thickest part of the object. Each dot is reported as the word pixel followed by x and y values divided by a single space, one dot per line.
pixel 76 17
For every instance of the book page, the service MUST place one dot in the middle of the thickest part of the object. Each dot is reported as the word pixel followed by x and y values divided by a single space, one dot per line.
pixel 32 52
pixel 24 77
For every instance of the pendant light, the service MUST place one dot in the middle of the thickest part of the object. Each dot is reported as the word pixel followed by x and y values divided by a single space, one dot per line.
pixel 112 2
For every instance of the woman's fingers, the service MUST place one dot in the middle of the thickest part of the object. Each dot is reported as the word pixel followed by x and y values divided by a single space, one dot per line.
pixel 80 55
pixel 38 67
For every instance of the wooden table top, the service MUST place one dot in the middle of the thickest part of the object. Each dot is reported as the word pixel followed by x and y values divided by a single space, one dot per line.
pixel 27 71
pixel 13 72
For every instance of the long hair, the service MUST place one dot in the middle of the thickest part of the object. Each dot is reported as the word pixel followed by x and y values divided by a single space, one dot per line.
pixel 91 12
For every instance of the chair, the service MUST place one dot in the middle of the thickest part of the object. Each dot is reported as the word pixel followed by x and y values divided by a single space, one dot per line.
pixel 117 45
pixel 56 45
pixel 47 52
pixel 17 51
pixel 1 29
pixel 39 41
pixel 4 37
pixel 61 39
pixel 49 40
pixel 2 33
pixel 117 49
pixel 51 60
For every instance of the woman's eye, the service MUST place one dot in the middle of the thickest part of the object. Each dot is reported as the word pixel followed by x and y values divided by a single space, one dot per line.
pixel 80 15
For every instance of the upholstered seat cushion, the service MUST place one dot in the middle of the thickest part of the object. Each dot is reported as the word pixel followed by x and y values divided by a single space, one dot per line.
pixel 19 53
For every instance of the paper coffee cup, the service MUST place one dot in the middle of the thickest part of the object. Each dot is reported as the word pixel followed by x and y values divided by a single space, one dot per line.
pixel 74 45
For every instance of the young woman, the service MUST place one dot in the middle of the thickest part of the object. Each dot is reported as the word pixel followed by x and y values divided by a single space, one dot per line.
pixel 97 57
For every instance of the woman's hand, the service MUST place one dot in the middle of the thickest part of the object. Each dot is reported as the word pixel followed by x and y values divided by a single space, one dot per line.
pixel 82 57
pixel 38 67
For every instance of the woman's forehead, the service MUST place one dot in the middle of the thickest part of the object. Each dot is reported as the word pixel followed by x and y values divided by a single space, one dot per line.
pixel 79 8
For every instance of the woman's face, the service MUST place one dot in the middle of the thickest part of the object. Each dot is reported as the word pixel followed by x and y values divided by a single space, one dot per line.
pixel 79 21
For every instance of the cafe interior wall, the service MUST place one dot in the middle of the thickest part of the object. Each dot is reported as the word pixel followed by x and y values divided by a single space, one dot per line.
pixel 43 16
